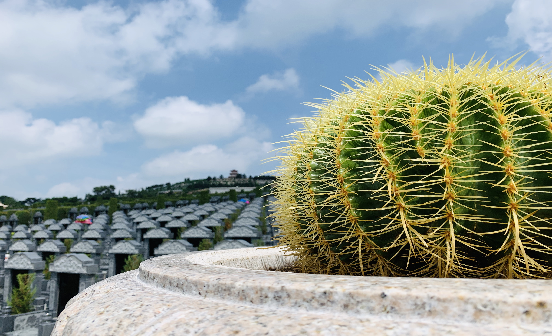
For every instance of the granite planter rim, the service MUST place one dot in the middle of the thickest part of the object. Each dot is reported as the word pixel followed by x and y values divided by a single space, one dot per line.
pixel 214 278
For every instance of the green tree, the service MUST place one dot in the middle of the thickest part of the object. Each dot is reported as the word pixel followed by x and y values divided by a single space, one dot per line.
pixel 219 234
pixel 204 197
pixel 132 262
pixel 161 201
pixel 112 206
pixel 24 216
pixel 61 213
pixel 22 295
pixel 46 272
pixel 68 243
pixel 233 195
pixel 51 211
pixel 205 244
pixel 104 192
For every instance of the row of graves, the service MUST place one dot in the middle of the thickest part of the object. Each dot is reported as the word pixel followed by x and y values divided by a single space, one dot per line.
pixel 99 250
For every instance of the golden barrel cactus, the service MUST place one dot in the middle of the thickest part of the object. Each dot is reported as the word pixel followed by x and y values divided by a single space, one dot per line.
pixel 437 173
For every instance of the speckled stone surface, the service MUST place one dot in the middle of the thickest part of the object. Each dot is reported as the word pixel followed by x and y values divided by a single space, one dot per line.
pixel 207 293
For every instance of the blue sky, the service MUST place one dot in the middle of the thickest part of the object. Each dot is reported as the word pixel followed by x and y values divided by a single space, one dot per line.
pixel 134 93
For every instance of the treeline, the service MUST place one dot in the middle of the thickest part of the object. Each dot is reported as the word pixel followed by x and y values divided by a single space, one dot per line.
pixel 60 207
pixel 101 195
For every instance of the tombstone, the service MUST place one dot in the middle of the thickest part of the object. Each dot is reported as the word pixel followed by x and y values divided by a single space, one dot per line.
pixel 73 213
pixel 219 215
pixel 24 245
pixel 13 221
pixel 22 235
pixel 42 235
pixel 143 227
pixel 49 222
pixel 122 234
pixel 119 252
pixel 65 222
pixel 51 247
pixel 210 223
pixel 125 208
pixel 37 227
pixel 176 225
pixel 21 263
pixel 174 247
pixel 202 214
pixel 247 233
pixel 229 244
pixel 100 210
pixel 97 226
pixel 88 247
pixel 246 221
pixel 37 218
pixel 140 219
pixel 21 227
pixel 94 235
pixel 250 214
pixel 70 274
pixel 164 219
pixel 67 234
pixel 3 249
pixel 153 238
pixel 196 234
pixel 191 218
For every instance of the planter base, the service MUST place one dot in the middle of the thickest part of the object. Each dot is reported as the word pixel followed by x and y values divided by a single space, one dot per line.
pixel 191 294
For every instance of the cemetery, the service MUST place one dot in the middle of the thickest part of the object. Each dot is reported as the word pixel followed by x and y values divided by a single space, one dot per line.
pixel 63 258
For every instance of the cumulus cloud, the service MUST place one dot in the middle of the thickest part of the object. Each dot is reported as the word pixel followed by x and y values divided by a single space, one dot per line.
pixel 204 159
pixel 53 53
pixel 181 121
pixel 65 189
pixel 278 81
pixel 530 22
pixel 244 154
pixel 273 24
pixel 401 66
pixel 28 140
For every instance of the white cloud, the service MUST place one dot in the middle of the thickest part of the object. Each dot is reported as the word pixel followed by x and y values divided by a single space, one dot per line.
pixel 181 121
pixel 65 189
pixel 531 22
pixel 278 81
pixel 401 66
pixel 26 140
pixel 273 24
pixel 203 160
pixel 53 53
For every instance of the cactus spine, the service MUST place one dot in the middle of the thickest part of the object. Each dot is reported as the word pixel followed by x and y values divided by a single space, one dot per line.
pixel 438 172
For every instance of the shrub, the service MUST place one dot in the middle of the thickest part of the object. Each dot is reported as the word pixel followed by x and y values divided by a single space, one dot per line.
pixel 132 262
pixel 205 244
pixel 22 296
pixel 46 271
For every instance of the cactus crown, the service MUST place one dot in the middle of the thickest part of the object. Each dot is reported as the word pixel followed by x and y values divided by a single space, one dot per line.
pixel 437 172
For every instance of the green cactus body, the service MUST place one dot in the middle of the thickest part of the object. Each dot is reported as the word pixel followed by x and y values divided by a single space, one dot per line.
pixel 439 172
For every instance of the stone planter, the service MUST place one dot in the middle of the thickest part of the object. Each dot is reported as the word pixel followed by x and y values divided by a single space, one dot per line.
pixel 228 292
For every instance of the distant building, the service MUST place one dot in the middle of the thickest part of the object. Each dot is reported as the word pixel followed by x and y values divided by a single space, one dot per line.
pixel 233 173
